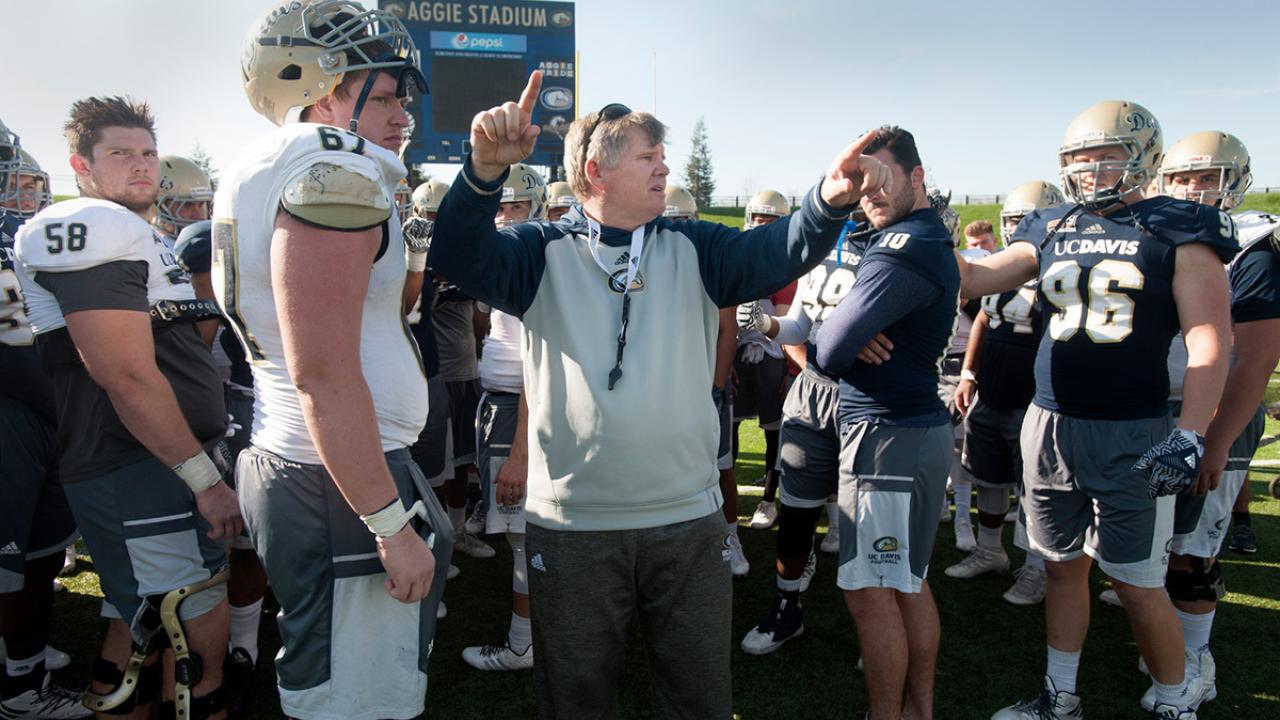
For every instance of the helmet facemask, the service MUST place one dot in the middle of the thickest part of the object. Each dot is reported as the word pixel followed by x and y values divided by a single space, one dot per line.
pixel 1232 183
pixel 1134 173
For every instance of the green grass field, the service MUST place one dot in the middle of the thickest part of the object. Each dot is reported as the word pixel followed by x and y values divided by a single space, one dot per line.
pixel 992 653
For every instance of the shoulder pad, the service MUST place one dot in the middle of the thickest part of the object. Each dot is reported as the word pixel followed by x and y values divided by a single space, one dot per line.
pixel 80 234
pixel 339 197
pixel 195 247
pixel 1181 222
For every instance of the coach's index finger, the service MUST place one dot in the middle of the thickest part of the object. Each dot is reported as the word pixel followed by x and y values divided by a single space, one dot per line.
pixel 530 94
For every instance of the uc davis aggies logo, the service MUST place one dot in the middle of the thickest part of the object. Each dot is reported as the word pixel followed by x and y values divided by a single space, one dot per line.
pixel 886 544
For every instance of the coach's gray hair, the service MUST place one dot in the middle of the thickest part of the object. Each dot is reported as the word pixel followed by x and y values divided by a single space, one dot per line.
pixel 608 142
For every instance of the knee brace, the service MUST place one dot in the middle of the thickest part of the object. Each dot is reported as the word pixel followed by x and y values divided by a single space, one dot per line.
pixel 795 531
pixel 519 566
pixel 993 501
pixel 1202 582
pixel 136 686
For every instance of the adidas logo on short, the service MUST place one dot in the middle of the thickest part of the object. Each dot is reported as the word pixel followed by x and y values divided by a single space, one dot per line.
pixel 10 549
pixel 536 563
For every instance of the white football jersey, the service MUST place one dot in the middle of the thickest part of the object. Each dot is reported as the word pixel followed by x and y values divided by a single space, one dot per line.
pixel 244 212
pixel 500 365
pixel 1253 226
pixel 822 288
pixel 85 233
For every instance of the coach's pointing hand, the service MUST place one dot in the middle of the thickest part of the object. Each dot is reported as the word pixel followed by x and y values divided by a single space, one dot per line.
pixel 504 135
pixel 851 175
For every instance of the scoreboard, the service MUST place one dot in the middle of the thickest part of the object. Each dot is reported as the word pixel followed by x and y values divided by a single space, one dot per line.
pixel 476 55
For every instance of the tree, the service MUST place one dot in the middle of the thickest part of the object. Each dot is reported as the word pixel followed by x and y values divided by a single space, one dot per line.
pixel 699 178
pixel 202 159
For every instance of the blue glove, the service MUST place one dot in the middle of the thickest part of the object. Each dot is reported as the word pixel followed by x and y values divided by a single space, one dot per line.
pixel 1174 463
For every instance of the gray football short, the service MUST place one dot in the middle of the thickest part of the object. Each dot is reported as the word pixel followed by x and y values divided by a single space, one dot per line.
pixel 350 650
pixel 464 401
pixel 991 447
pixel 1200 521
pixel 141 525
pixel 434 447
pixel 1082 495
pixel 809 443
pixel 240 408
pixel 892 481
pixel 495 431
pixel 35 520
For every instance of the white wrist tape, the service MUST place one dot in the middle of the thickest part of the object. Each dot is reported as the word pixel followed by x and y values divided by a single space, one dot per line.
pixel 967 374
pixel 415 262
pixel 198 472
pixel 391 519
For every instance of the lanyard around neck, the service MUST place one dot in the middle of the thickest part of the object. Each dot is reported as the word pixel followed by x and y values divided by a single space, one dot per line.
pixel 594 233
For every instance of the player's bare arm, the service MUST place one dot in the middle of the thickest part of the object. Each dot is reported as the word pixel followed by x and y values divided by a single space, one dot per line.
pixel 968 387
pixel 1200 291
pixel 1256 347
pixel 119 352
pixel 319 306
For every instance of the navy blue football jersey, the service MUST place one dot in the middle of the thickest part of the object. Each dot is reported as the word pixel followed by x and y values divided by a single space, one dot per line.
pixel 23 378
pixel 1255 285
pixel 1106 290
pixel 194 249
pixel 905 389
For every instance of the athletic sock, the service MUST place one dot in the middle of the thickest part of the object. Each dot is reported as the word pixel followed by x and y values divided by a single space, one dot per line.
pixel 787 586
pixel 520 634
pixel 963 491
pixel 1241 517
pixel 22 675
pixel 1034 560
pixel 244 628
pixel 732 528
pixel 457 516
pixel 989 537
pixel 1174 695
pixel 1196 628
pixel 833 515
pixel 1062 669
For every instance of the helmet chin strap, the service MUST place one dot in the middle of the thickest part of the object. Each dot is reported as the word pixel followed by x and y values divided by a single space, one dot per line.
pixel 408 73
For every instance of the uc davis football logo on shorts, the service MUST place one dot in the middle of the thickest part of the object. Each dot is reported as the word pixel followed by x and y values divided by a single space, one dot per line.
pixel 886 551
pixel 886 544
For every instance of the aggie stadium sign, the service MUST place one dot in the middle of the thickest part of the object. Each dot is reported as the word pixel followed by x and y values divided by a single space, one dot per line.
pixel 494 14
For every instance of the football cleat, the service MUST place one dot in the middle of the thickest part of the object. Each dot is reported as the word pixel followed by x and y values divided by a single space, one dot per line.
pixel 48 702
pixel 1051 705
pixel 441 611
pixel 468 544
pixel 737 560
pixel 1202 686
pixel 1242 540
pixel 1111 597
pixel 1171 712
pixel 785 620
pixel 1028 589
pixel 476 523
pixel 765 516
pixel 980 562
pixel 453 572
pixel 498 657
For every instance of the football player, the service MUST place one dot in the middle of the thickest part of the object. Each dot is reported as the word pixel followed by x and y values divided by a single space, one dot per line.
pixel 896 436
pixel 140 409
pixel 560 198
pixel 247 584
pixel 340 515
pixel 1213 168
pixel 998 369
pixel 682 206
pixel 1118 274
pixel 26 192
pixel 35 521
pixel 186 196
pixel 404 198
pixel 502 448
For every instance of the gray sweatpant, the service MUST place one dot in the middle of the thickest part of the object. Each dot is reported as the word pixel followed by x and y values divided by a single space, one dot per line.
pixel 585 588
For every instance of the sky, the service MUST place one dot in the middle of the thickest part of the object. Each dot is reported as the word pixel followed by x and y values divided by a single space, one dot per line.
pixel 987 88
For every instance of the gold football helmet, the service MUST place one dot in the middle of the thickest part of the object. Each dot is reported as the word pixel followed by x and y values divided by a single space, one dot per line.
pixel 301 49
pixel 10 159
pixel 1028 196
pixel 1208 150
pixel 428 196
pixel 185 191
pixel 560 195
pixel 525 183
pixel 765 202
pixel 1112 122
pixel 680 204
